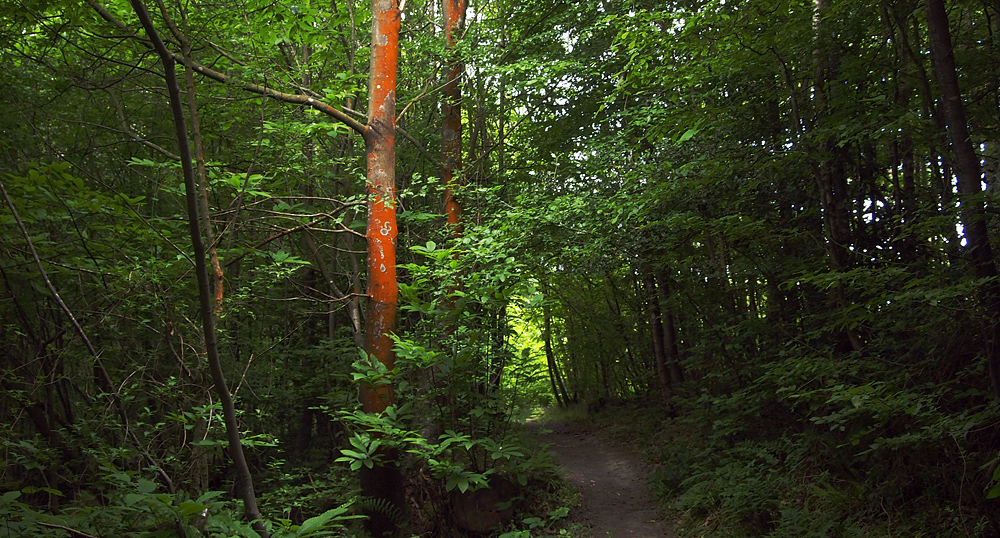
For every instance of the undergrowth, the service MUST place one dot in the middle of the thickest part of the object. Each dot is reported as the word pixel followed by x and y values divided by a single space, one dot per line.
pixel 738 474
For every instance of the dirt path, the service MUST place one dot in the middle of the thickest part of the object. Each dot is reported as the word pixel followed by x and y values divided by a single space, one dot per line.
pixel 616 502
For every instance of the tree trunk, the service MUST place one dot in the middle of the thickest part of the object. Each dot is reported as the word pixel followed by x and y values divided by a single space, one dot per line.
pixel 382 483
pixel 656 329
pixel 215 282
pixel 670 347
pixel 831 175
pixel 550 359
pixel 968 172
pixel 244 481
pixel 451 110
pixel 903 148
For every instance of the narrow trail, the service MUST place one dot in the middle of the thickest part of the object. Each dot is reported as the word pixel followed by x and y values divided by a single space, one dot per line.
pixel 612 484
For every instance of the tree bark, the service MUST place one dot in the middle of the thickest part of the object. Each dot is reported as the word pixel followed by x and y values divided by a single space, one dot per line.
pixel 968 172
pixel 215 281
pixel 831 175
pixel 379 135
pixel 384 482
pixel 558 388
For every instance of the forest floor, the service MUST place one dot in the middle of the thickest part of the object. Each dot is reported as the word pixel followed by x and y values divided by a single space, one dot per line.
pixel 611 480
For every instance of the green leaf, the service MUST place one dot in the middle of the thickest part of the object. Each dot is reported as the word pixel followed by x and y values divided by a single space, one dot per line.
pixel 688 135
pixel 187 508
pixel 559 513
pixel 145 486
pixel 210 442
pixel 313 524
pixel 209 495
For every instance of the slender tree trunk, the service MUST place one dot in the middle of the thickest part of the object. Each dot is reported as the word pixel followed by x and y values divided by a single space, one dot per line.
pixel 215 281
pixel 831 176
pixel 560 380
pixel 244 481
pixel 550 358
pixel 670 347
pixel 903 148
pixel 968 172
pixel 550 364
pixel 353 310
pixel 656 330
pixel 451 136
pixel 498 356
pixel 215 278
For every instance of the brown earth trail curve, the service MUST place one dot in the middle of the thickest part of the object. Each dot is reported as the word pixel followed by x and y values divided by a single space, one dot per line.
pixel 612 484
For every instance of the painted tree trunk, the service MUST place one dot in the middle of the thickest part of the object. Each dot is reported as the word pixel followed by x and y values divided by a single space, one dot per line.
pixel 451 110
pixel 380 140
pixel 382 483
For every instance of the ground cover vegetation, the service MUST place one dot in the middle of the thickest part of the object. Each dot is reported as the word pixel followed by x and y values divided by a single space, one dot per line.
pixel 768 225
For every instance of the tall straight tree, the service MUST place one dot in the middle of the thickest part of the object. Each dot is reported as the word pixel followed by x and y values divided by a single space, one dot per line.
pixel 670 348
pixel 830 169
pixel 383 482
pixel 451 110
pixel 656 331
pixel 969 175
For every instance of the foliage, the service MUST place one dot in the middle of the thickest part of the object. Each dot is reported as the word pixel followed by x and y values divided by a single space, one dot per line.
pixel 463 390
pixel 781 173
pixel 132 506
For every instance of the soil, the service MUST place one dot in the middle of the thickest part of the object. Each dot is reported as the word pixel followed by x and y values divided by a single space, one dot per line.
pixel 611 481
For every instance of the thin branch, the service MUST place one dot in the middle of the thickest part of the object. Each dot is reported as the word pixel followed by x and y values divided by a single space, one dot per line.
pixel 425 91
pixel 311 102
pixel 299 99
pixel 420 149
pixel 399 130
pixel 225 54
pixel 74 532
pixel 292 230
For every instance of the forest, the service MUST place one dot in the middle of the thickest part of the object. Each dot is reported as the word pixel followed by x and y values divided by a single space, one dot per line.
pixel 285 268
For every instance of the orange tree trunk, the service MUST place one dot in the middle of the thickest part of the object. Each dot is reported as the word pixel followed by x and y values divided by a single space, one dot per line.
pixel 380 141
pixel 451 109
pixel 382 483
